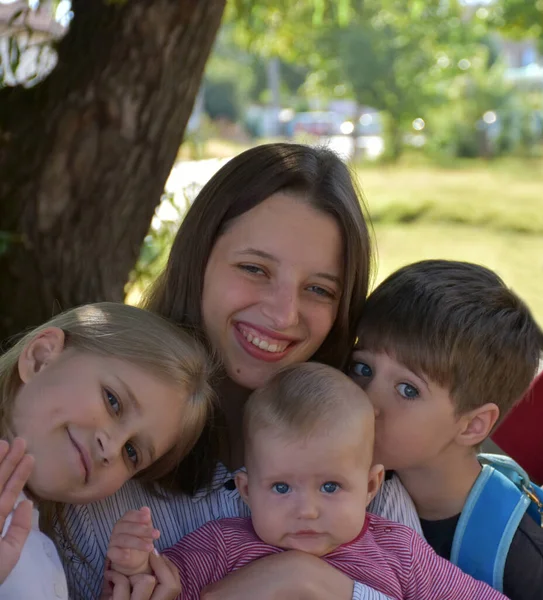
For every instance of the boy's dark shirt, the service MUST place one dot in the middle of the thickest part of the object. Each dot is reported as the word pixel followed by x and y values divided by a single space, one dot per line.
pixel 523 576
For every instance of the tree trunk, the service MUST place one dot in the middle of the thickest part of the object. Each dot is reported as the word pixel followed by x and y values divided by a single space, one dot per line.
pixel 85 154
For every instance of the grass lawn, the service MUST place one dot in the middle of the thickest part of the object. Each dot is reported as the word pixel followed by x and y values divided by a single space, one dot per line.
pixel 490 213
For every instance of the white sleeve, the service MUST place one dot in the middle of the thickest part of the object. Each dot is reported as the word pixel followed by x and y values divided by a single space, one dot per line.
pixel 393 503
pixel 38 572
pixel 363 592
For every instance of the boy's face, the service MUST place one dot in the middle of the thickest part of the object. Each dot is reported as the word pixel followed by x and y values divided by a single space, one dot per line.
pixel 415 425
pixel 310 494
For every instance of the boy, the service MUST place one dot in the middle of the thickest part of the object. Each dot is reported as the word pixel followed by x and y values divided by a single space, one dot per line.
pixel 309 438
pixel 445 350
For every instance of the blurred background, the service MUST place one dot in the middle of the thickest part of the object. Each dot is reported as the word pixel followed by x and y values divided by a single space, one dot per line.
pixel 437 106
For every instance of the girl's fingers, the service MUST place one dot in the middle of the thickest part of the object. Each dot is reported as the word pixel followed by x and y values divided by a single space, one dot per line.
pixel 11 490
pixel 120 585
pixel 11 458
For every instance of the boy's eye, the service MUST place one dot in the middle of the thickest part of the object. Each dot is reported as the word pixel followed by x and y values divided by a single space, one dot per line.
pixel 281 488
pixel 361 369
pixel 329 487
pixel 113 402
pixel 407 390
pixel 131 452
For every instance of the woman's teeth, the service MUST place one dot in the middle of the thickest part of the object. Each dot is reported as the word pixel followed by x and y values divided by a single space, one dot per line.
pixel 275 346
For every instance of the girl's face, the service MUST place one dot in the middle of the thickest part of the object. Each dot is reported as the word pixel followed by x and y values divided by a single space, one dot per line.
pixel 272 287
pixel 91 422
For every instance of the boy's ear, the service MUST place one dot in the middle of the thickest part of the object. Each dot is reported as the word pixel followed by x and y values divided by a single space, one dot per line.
pixel 44 348
pixel 478 424
pixel 242 483
pixel 375 480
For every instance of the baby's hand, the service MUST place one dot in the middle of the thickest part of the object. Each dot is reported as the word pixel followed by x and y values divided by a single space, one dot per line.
pixel 131 543
pixel 15 469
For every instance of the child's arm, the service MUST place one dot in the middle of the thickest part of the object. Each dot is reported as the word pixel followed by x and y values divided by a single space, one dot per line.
pixel 131 543
pixel 434 578
pixel 15 468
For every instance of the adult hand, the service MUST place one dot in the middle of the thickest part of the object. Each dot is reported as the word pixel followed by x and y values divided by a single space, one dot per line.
pixel 163 585
pixel 286 575
pixel 15 469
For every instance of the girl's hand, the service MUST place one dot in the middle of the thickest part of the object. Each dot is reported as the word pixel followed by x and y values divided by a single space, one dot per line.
pixel 163 585
pixel 132 542
pixel 15 469
pixel 289 575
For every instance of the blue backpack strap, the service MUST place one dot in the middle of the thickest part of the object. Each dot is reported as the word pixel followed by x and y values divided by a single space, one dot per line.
pixel 487 525
pixel 518 475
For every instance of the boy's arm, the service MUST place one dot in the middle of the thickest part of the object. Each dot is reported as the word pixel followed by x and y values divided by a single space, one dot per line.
pixel 523 575
pixel 201 558
pixel 434 578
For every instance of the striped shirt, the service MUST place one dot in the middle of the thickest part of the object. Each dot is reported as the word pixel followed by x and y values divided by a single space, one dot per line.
pixel 387 556
pixel 87 528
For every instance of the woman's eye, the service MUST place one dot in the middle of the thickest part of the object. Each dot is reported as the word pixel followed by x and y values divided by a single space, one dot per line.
pixel 320 291
pixel 131 452
pixel 407 391
pixel 252 269
pixel 361 369
pixel 281 488
pixel 330 487
pixel 113 402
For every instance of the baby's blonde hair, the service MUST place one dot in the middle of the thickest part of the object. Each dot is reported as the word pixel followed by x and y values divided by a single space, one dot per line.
pixel 136 336
pixel 304 399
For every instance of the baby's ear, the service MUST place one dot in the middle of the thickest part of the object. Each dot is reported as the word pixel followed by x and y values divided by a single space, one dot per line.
pixel 242 483
pixel 43 349
pixel 375 480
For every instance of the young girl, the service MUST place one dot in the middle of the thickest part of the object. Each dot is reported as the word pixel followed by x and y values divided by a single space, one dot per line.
pixel 99 394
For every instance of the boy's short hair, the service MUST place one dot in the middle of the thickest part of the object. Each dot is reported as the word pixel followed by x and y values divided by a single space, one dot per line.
pixel 302 399
pixel 458 324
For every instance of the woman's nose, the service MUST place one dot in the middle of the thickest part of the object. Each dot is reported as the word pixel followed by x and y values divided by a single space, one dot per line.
pixel 281 308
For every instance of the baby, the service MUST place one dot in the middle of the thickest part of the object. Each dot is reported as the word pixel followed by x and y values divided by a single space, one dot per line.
pixel 309 443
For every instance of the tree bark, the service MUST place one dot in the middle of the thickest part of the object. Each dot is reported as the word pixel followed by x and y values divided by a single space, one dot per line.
pixel 85 154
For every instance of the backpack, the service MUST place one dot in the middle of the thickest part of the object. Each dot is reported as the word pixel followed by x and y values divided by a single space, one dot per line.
pixel 501 496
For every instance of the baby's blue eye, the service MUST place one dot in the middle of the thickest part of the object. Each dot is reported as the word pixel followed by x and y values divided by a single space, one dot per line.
pixel 281 488
pixel 407 391
pixel 113 402
pixel 361 369
pixel 329 487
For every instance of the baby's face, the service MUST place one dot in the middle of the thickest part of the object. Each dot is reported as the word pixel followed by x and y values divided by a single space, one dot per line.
pixel 310 494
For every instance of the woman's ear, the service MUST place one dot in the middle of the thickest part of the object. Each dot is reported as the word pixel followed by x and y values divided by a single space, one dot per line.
pixel 375 480
pixel 44 348
pixel 242 483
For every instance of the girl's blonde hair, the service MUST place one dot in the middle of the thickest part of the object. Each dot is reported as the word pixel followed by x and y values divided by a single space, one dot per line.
pixel 138 337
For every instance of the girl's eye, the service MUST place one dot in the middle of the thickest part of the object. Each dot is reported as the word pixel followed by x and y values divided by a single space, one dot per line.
pixel 361 369
pixel 252 269
pixel 320 291
pixel 113 402
pixel 131 452
pixel 281 488
pixel 330 487
pixel 407 390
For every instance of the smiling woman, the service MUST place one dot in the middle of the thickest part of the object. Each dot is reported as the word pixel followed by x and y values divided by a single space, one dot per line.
pixel 271 268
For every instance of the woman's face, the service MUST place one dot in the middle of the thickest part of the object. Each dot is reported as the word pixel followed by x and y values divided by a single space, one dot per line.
pixel 272 287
